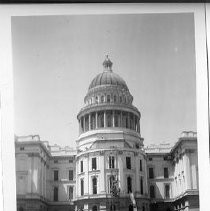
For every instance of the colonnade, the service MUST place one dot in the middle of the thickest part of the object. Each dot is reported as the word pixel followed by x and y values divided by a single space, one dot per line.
pixel 109 118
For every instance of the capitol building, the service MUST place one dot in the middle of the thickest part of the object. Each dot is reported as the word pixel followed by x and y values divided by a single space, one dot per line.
pixel 111 168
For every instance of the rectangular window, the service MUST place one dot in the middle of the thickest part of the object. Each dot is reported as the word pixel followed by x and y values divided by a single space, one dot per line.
pixel 94 183
pixel 151 173
pixel 71 191
pixel 55 161
pixel 81 166
pixel 150 159
pixel 152 191
pixel 55 197
pixel 165 172
pixel 128 162
pixel 142 186
pixel 140 165
pixel 167 191
pixel 82 186
pixel 71 174
pixel 55 175
pixel 111 162
pixel 94 167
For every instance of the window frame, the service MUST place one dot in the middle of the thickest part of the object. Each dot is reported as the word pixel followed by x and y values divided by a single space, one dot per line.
pixel 55 193
pixel 55 176
pixel 151 173
pixel 95 162
pixel 165 173
pixel 128 162
pixel 81 166
pixel 71 170
pixel 152 193
pixel 111 162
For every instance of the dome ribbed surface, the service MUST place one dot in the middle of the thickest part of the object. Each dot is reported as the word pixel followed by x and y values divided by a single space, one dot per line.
pixel 108 78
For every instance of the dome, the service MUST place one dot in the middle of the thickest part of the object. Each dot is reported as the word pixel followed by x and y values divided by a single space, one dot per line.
pixel 108 77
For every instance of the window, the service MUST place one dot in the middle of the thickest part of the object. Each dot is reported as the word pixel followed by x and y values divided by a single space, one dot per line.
pixel 111 183
pixel 108 98
pixel 111 162
pixel 150 159
pixel 165 172
pixel 55 175
pixel 55 194
pixel 109 119
pixel 142 186
pixel 115 98
pixel 140 165
pixel 120 99
pixel 116 119
pixel 70 161
pixel 71 176
pixel 128 162
pixel 96 99
pixel 94 167
pixel 71 191
pixel 129 184
pixel 82 187
pixel 152 191
pixel 81 166
pixel 94 208
pixel 151 173
pixel 102 98
pixel 112 207
pixel 55 161
pixel 94 183
pixel 167 191
pixel 22 148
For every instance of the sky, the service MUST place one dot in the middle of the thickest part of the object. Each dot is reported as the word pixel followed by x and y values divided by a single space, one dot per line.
pixel 55 59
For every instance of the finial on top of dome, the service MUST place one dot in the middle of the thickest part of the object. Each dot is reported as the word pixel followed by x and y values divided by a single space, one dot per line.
pixel 107 64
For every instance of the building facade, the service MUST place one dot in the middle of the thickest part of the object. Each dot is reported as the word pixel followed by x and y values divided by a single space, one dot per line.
pixel 110 168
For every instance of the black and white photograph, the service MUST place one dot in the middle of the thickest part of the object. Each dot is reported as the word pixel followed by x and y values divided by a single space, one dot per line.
pixel 105 111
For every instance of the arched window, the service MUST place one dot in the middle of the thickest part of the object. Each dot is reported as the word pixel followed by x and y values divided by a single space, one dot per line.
pixel 82 187
pixel 94 183
pixel 108 99
pixel 120 99
pixel 102 99
pixel 86 123
pixel 109 119
pixel 100 119
pixel 82 125
pixel 21 209
pixel 130 208
pixel 112 207
pixel 115 98
pixel 116 119
pixel 129 184
pixel 142 187
pixel 94 208
pixel 93 122
pixel 111 182
pixel 152 191
pixel 96 99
